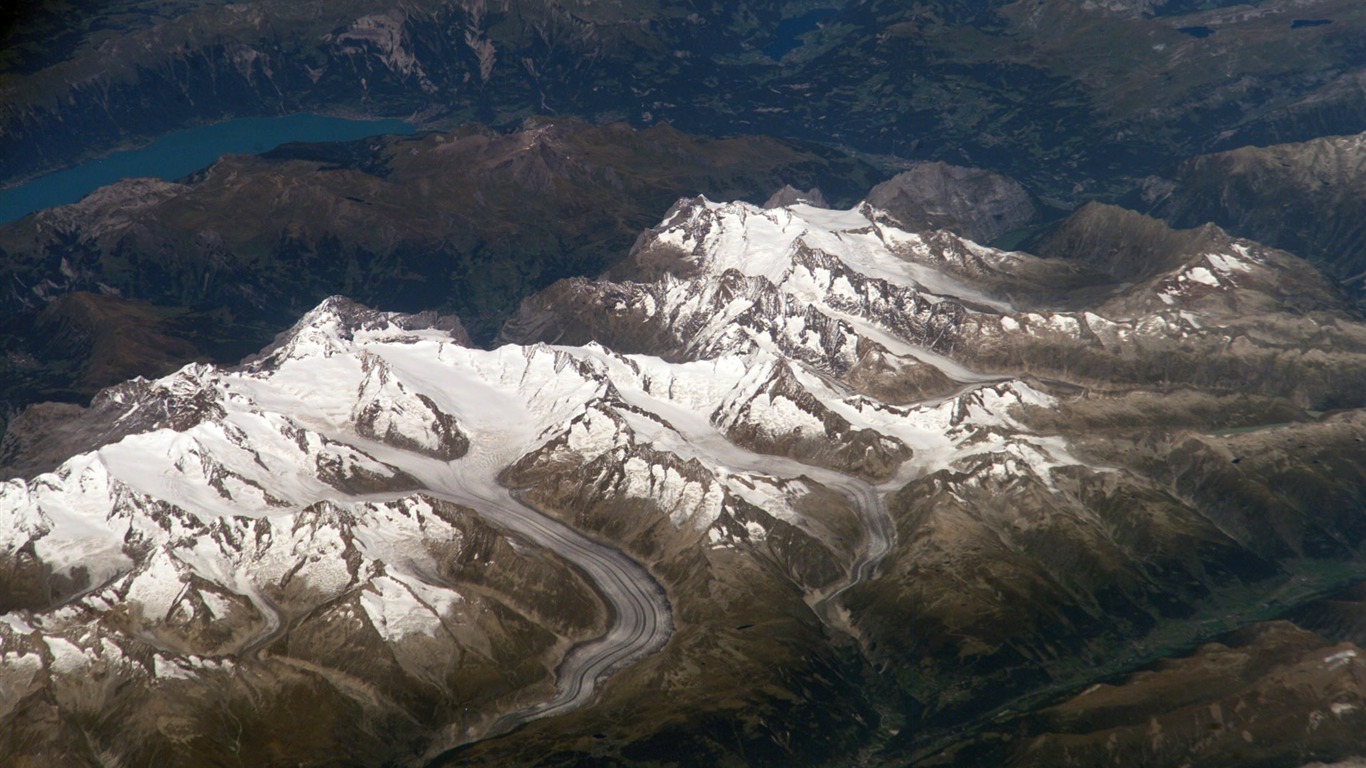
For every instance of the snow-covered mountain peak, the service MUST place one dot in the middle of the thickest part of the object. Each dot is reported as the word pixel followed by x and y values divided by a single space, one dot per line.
pixel 801 246
pixel 387 411
pixel 329 327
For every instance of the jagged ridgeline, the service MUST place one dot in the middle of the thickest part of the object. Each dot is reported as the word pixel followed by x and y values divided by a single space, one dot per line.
pixel 788 485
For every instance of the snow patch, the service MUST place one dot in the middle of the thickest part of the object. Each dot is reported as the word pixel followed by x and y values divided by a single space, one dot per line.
pixel 1201 275
pixel 1226 264
pixel 67 657
pixel 396 612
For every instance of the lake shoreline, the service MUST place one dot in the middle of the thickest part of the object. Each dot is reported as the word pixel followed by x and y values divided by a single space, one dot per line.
pixel 180 153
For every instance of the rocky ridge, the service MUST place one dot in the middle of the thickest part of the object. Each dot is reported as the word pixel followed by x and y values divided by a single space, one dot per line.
pixel 1304 197
pixel 970 202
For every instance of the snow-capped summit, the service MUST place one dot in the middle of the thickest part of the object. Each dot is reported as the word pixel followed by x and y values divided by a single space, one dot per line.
pixel 337 320
pixel 800 247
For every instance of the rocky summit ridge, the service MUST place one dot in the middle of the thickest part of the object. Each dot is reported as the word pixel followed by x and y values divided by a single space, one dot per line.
pixel 778 459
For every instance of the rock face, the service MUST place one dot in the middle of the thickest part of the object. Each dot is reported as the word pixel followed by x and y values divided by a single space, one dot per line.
pixel 790 195
pixel 386 411
pixel 81 342
pixel 1190 706
pixel 970 202
pixel 790 484
pixel 1307 198
pixel 1121 244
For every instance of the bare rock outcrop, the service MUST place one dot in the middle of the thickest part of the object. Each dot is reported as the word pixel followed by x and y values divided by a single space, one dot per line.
pixel 977 204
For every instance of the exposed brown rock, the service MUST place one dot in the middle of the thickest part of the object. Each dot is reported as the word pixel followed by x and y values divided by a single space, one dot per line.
pixel 975 203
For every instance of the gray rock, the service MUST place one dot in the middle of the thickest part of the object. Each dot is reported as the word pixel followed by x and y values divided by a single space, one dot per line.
pixel 790 195
pixel 1308 198
pixel 1121 244
pixel 977 204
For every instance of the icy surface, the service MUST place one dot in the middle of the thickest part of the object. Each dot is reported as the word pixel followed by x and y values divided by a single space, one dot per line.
pixel 760 242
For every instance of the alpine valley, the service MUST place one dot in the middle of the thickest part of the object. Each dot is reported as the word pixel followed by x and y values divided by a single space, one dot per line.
pixel 789 485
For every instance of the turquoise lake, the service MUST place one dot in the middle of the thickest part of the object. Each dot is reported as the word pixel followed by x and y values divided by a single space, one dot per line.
pixel 183 152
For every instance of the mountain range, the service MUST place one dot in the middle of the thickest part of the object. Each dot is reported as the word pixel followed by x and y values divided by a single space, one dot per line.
pixel 787 483
pixel 145 275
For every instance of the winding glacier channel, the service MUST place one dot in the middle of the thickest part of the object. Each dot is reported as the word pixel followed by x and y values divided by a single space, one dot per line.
pixel 692 436
pixel 641 621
